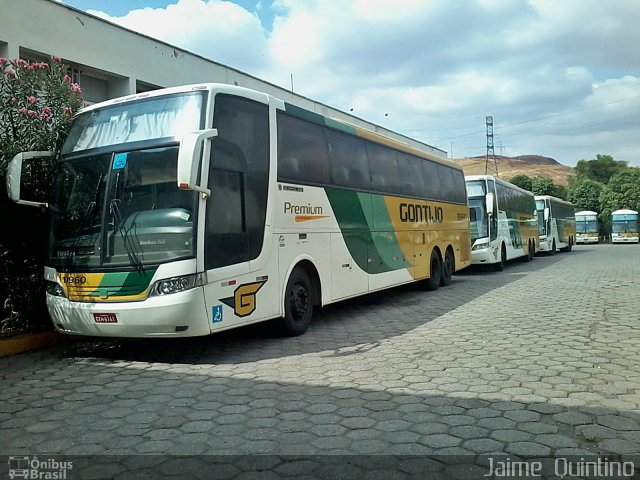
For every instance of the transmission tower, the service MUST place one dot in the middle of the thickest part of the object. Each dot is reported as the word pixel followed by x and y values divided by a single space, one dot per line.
pixel 491 162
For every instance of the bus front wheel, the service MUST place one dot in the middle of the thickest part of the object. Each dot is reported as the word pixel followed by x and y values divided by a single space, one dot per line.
pixel 503 259
pixel 298 304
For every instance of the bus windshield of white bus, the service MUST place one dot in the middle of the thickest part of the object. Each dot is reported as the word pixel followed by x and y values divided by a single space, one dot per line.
pixel 168 116
pixel 625 224
pixel 542 225
pixel 116 201
pixel 476 191
pixel 586 226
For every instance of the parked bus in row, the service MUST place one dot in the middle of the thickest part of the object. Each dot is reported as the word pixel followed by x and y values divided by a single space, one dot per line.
pixel 557 223
pixel 197 209
pixel 624 226
pixel 503 221
pixel 587 227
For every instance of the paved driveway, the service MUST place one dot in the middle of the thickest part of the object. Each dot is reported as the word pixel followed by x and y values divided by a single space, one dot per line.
pixel 542 359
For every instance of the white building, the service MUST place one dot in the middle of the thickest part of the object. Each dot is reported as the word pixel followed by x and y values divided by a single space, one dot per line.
pixel 110 61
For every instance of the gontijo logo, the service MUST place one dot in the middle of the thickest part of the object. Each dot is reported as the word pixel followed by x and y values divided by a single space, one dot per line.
pixel 304 213
pixel 420 213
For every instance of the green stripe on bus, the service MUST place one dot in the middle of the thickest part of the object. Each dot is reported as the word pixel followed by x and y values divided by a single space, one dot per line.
pixel 120 284
pixel 303 114
pixel 374 249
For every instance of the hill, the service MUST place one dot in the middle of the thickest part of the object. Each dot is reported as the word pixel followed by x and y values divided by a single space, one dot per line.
pixel 509 167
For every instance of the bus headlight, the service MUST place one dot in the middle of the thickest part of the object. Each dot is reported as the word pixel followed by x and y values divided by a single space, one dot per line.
pixel 480 246
pixel 55 289
pixel 178 284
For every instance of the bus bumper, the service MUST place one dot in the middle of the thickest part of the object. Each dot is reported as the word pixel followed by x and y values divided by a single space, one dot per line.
pixel 544 245
pixel 587 239
pixel 177 315
pixel 624 240
pixel 485 256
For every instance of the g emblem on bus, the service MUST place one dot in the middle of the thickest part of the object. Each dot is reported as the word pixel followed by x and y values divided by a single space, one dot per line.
pixel 243 301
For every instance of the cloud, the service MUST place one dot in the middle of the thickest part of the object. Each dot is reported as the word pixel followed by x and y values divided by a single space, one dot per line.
pixel 219 30
pixel 561 79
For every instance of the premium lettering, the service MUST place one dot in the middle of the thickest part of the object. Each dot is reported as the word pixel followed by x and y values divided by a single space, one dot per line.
pixel 301 209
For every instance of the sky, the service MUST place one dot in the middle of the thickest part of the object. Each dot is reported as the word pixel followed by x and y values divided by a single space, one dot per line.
pixel 561 79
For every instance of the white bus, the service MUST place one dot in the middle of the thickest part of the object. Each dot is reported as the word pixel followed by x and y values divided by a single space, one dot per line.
pixel 191 210
pixel 503 221
pixel 557 223
pixel 624 226
pixel 587 227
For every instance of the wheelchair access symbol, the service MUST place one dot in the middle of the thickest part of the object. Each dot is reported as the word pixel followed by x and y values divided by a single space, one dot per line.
pixel 216 314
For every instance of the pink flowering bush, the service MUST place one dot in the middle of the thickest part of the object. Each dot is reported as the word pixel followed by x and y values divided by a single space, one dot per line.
pixel 37 103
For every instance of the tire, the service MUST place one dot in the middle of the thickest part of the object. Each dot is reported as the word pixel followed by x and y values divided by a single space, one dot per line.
pixel 298 304
pixel 503 259
pixel 448 267
pixel 529 256
pixel 435 275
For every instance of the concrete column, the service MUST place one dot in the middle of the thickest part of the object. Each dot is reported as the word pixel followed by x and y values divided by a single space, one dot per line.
pixel 120 87
pixel 9 50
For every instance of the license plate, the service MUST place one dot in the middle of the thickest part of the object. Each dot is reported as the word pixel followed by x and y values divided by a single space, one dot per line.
pixel 105 318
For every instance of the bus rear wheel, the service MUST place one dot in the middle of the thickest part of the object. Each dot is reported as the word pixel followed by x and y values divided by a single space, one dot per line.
pixel 448 267
pixel 531 252
pixel 298 304
pixel 435 272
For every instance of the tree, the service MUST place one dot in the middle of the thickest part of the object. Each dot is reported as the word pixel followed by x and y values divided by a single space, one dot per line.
pixel 545 186
pixel 522 181
pixel 622 191
pixel 584 193
pixel 601 169
pixel 37 103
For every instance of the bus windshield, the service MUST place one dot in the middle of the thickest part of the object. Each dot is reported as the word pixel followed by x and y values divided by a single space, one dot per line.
pixel 542 225
pixel 586 226
pixel 624 226
pixel 164 117
pixel 121 209
pixel 478 218
pixel 116 201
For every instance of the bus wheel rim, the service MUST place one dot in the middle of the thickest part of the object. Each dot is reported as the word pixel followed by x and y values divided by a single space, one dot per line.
pixel 299 302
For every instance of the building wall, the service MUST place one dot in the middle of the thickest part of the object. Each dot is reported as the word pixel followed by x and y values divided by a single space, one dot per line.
pixel 110 61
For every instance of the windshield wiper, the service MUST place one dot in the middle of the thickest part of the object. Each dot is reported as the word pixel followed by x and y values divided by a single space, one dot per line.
pixel 76 240
pixel 129 245
pixel 83 221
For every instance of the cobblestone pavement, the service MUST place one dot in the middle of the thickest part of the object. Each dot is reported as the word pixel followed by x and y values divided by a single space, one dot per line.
pixel 542 359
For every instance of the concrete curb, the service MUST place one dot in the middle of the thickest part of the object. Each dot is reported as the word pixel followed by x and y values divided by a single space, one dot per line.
pixel 23 343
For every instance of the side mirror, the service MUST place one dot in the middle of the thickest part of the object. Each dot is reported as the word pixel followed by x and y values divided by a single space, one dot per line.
pixel 190 159
pixel 546 214
pixel 489 203
pixel 14 177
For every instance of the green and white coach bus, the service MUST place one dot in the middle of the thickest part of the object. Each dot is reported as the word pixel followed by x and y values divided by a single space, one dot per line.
pixel 503 221
pixel 557 222
pixel 587 227
pixel 625 226
pixel 191 210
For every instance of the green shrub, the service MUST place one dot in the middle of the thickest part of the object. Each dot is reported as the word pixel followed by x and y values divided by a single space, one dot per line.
pixel 37 103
